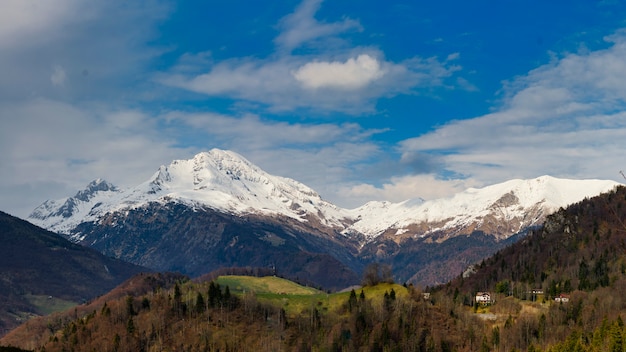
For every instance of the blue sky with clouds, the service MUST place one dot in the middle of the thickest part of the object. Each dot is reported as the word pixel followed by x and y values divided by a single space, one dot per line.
pixel 360 100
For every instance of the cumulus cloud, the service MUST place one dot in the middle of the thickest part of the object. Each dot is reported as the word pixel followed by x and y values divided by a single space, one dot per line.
pixel 286 81
pixel 565 118
pixel 293 82
pixel 352 74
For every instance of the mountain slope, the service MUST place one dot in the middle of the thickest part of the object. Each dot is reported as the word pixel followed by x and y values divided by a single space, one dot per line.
pixel 225 181
pixel 37 263
pixel 194 241
pixel 433 241
pixel 579 254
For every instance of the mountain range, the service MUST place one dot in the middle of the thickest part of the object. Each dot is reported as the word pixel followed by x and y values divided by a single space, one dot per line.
pixel 218 209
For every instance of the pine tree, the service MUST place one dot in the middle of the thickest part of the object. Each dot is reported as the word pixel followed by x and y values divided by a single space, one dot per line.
pixel 200 305
pixel 352 301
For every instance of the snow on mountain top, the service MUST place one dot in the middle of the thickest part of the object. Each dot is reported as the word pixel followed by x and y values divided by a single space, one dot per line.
pixel 222 180
pixel 227 181
pixel 509 199
pixel 64 214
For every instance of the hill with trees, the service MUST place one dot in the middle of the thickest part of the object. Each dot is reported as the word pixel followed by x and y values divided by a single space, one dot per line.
pixel 208 316
pixel 564 282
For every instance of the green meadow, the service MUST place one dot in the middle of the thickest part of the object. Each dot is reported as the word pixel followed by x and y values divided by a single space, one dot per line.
pixel 295 298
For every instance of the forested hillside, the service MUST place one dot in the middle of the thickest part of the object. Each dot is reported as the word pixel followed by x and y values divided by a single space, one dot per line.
pixel 579 254
pixel 208 317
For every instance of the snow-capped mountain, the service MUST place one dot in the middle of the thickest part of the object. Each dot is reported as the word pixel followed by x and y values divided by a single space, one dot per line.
pixel 218 179
pixel 500 210
pixel 218 198
pixel 62 215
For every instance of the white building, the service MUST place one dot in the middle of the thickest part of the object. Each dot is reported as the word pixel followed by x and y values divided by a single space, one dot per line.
pixel 562 298
pixel 483 298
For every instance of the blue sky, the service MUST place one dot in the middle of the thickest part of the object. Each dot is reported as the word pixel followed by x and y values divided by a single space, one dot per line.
pixel 359 100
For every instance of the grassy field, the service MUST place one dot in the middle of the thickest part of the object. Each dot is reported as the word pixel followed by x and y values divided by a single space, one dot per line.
pixel 267 284
pixel 295 298
pixel 48 305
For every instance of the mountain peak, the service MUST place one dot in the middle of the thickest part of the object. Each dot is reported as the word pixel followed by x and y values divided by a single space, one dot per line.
pixel 58 214
pixel 226 180
pixel 218 179
pixel 95 186
pixel 67 207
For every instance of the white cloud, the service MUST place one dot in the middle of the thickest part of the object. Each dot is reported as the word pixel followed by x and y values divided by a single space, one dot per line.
pixel 58 76
pixel 286 81
pixel 352 74
pixel 301 26
pixel 566 118
pixel 292 82
pixel 21 21
pixel 56 57
pixel 251 132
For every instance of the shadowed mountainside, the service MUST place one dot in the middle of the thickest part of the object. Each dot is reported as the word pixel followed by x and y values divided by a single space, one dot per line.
pixel 39 268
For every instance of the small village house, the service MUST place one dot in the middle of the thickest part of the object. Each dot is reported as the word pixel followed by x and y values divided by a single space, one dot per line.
pixel 563 298
pixel 483 298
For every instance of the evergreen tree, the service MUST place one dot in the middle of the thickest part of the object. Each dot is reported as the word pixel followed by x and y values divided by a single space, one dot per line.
pixel 200 305
pixel 130 310
pixel 215 294
pixel 227 297
pixel 616 343
pixel 583 276
pixel 352 301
